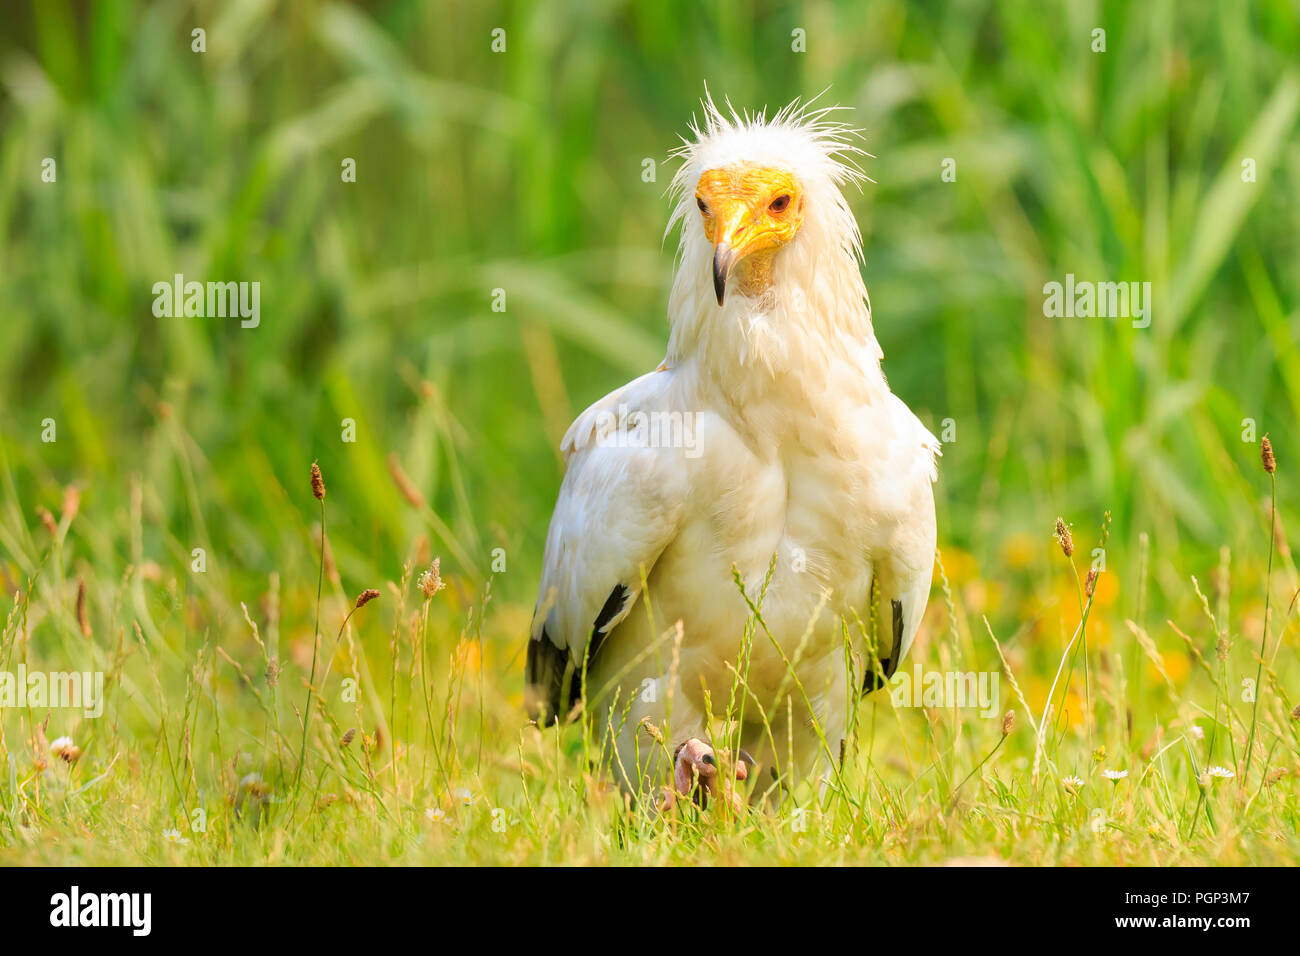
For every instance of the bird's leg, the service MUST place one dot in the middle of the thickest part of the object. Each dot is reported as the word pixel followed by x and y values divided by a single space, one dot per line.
pixel 696 775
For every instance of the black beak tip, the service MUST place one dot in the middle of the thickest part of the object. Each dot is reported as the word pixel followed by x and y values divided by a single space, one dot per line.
pixel 721 266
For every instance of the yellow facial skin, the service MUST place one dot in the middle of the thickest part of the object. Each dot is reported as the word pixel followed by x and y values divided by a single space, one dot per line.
pixel 749 212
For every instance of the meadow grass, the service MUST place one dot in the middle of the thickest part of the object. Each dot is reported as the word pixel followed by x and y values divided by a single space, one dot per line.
pixel 419 753
pixel 523 171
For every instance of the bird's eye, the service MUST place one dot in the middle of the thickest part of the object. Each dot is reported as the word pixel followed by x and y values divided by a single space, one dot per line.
pixel 700 202
pixel 780 203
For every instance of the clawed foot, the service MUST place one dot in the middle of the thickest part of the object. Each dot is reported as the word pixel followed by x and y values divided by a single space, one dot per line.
pixel 696 775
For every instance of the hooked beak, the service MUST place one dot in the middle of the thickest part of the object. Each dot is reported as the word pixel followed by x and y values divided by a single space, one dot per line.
pixel 730 242
pixel 723 259
pixel 747 209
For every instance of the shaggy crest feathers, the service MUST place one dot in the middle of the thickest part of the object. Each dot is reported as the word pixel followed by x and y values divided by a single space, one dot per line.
pixel 798 137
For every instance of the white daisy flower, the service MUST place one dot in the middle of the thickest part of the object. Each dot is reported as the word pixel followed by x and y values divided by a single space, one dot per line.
pixel 1114 775
pixel 65 749
pixel 1223 773
pixel 435 814
pixel 174 836
pixel 466 796
pixel 1072 784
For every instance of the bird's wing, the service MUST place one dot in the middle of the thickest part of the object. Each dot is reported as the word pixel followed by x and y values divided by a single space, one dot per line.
pixel 905 571
pixel 619 506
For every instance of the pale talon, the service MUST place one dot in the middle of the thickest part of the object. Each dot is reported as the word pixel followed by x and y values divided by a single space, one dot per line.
pixel 696 775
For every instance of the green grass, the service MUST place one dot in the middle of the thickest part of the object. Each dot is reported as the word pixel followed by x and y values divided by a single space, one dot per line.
pixel 523 171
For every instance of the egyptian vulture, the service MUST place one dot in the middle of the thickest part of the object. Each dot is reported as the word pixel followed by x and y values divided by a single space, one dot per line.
pixel 767 442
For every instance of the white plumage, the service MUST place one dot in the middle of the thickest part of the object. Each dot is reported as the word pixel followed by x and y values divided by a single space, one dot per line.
pixel 798 450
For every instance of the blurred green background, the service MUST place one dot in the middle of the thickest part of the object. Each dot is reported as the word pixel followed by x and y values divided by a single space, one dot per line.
pixel 522 170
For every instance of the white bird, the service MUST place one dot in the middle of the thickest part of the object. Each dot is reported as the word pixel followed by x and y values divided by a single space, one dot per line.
pixel 767 442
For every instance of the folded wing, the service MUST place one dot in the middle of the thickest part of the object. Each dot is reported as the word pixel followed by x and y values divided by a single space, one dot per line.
pixel 619 506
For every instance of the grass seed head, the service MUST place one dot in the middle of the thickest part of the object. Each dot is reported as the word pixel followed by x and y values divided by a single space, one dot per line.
pixel 71 502
pixel 1008 722
pixel 652 729
pixel 1266 454
pixel 431 582
pixel 83 619
pixel 317 482
pixel 348 737
pixel 366 596
pixel 404 484
pixel 1064 537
